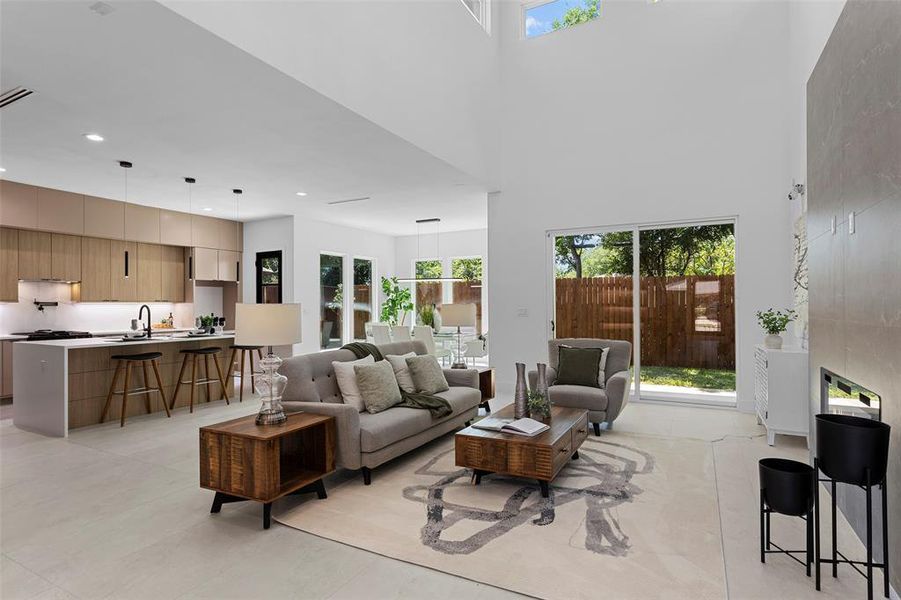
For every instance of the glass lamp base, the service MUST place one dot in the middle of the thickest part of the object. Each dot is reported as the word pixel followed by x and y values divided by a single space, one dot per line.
pixel 268 416
pixel 458 365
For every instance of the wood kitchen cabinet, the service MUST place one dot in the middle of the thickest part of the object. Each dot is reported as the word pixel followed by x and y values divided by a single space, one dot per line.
pixel 142 223
pixel 104 218
pixel 228 265
pixel 173 274
pixel 229 235
pixel 18 205
pixel 204 231
pixel 150 273
pixel 123 280
pixel 34 255
pixel 175 228
pixel 206 264
pixel 61 212
pixel 96 270
pixel 65 257
pixel 9 264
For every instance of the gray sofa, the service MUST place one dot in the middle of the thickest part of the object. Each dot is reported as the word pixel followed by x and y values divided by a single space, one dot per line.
pixel 603 405
pixel 365 441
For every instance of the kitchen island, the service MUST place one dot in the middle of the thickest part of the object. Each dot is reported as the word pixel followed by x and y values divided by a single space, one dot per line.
pixel 60 385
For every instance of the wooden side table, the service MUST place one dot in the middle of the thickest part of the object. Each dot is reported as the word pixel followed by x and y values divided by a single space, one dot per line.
pixel 486 386
pixel 241 460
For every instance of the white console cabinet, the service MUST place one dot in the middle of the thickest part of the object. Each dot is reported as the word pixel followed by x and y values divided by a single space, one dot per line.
pixel 781 391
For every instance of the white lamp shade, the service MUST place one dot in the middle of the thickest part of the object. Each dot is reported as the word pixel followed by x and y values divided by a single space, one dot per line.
pixel 267 324
pixel 458 315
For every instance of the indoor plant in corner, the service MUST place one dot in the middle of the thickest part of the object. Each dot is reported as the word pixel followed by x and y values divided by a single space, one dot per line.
pixel 398 302
pixel 774 323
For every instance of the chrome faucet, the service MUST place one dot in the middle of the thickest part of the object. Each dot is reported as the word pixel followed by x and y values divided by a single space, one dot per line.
pixel 148 329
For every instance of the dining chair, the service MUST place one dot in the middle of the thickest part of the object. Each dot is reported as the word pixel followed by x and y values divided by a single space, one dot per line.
pixel 401 333
pixel 381 334
pixel 424 334
pixel 477 348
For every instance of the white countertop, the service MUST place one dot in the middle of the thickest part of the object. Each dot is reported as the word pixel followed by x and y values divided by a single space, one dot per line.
pixel 158 338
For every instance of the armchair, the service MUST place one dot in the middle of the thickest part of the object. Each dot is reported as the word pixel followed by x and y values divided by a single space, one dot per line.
pixel 603 405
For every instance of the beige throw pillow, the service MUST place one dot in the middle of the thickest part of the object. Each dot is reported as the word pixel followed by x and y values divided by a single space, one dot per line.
pixel 428 377
pixel 402 371
pixel 347 381
pixel 378 386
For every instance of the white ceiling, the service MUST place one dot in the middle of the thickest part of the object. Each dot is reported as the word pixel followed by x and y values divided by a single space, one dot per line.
pixel 178 101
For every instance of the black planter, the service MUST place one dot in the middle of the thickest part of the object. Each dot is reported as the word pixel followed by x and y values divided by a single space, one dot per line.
pixel 847 446
pixel 787 486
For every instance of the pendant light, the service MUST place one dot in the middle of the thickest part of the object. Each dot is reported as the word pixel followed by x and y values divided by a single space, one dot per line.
pixel 419 224
pixel 237 193
pixel 125 167
pixel 190 181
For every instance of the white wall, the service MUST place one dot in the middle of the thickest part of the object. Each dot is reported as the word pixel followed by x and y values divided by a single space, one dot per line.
pixel 426 71
pixel 653 113
pixel 264 236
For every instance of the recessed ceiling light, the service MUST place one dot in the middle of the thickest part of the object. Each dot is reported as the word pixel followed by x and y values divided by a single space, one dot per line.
pixel 207 209
pixel 301 193
pixel 94 137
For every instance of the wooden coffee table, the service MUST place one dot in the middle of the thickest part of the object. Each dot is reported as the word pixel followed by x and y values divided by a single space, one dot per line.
pixel 540 457
pixel 241 460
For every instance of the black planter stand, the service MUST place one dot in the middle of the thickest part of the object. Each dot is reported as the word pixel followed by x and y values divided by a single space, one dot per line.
pixel 853 451
pixel 786 487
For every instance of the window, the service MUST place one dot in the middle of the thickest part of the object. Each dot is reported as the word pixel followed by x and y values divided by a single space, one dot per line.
pixel 363 298
pixel 331 300
pixel 480 10
pixel 428 293
pixel 269 277
pixel 544 17
pixel 469 290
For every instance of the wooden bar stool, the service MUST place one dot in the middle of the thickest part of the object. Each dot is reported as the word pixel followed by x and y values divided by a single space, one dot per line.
pixel 231 365
pixel 125 362
pixel 192 354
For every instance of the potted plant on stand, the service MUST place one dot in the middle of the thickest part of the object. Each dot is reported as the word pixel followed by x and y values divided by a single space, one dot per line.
pixel 774 323
pixel 398 302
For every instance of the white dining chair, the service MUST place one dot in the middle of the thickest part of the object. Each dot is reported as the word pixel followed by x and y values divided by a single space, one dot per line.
pixel 477 348
pixel 424 334
pixel 401 333
pixel 381 334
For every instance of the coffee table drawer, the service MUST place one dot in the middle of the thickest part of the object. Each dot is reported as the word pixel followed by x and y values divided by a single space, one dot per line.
pixel 481 453
pixel 563 450
pixel 580 432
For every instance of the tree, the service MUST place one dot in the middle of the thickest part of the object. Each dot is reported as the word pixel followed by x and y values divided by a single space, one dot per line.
pixel 577 14
pixel 569 249
pixel 467 269
pixel 699 250
pixel 428 269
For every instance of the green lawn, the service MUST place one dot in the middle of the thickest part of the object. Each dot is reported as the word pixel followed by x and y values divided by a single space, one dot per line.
pixel 710 379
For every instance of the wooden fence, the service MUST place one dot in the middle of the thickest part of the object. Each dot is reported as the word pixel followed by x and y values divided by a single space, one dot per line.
pixel 464 292
pixel 685 321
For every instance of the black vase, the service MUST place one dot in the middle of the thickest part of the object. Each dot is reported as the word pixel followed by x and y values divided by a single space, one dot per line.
pixel 847 446
pixel 787 485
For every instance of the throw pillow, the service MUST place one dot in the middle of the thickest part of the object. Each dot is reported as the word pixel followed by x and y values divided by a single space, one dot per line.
pixel 347 381
pixel 402 371
pixel 579 366
pixel 602 369
pixel 428 377
pixel 378 386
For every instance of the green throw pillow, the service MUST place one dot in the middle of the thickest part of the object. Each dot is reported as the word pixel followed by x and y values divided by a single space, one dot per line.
pixel 578 366
pixel 428 377
pixel 378 386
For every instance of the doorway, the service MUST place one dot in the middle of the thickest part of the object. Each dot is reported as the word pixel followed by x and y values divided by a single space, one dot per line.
pixel 675 303
pixel 269 277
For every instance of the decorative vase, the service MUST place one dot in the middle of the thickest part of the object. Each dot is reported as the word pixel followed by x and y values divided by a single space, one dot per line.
pixel 773 341
pixel 541 384
pixel 520 393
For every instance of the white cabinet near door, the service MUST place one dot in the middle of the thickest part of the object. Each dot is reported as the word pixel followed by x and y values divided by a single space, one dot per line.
pixel 781 391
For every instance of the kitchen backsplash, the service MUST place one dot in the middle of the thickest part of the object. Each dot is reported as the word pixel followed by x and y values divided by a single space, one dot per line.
pixel 90 316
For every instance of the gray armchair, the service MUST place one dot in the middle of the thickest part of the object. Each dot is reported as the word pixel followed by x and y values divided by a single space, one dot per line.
pixel 603 404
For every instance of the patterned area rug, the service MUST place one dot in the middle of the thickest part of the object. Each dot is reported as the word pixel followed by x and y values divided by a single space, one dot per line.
pixel 632 516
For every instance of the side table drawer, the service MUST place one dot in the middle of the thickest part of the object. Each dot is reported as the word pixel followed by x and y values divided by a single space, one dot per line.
pixel 580 432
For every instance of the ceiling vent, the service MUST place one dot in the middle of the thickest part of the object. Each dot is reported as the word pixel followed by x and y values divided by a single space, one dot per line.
pixel 333 202
pixel 13 95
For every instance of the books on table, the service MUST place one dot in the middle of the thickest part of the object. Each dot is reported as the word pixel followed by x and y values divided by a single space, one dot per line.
pixel 528 427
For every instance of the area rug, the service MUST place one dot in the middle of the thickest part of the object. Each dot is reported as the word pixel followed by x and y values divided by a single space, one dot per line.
pixel 632 517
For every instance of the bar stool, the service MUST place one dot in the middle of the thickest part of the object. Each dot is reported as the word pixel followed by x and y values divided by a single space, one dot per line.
pixel 124 362
pixel 192 354
pixel 786 487
pixel 231 365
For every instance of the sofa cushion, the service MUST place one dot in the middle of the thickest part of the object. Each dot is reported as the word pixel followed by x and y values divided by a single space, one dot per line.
pixel 347 381
pixel 402 371
pixel 390 426
pixel 378 386
pixel 578 396
pixel 579 366
pixel 427 374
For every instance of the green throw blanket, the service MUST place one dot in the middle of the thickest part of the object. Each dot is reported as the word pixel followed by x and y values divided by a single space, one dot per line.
pixel 438 407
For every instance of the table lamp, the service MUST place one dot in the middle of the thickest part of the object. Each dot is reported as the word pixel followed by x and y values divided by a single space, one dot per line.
pixel 268 325
pixel 458 315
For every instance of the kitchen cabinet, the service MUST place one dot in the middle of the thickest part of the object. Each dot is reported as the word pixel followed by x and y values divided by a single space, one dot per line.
pixel 104 218
pixel 228 265
pixel 96 263
pixel 229 235
pixel 34 255
pixel 173 274
pixel 6 369
pixel 150 273
pixel 142 223
pixel 206 264
pixel 175 228
pixel 9 264
pixel 123 280
pixel 18 205
pixel 59 211
pixel 65 257
pixel 204 231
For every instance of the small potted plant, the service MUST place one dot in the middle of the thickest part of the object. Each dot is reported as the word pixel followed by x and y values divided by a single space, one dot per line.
pixel 774 323
pixel 539 406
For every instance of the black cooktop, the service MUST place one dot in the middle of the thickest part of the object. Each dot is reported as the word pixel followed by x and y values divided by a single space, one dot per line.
pixel 48 334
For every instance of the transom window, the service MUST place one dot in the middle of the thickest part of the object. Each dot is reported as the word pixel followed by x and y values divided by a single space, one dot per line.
pixel 540 18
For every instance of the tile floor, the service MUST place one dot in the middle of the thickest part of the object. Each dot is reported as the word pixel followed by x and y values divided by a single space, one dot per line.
pixel 117 513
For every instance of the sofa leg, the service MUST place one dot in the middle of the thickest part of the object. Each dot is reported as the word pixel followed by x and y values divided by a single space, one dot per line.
pixel 597 429
pixel 367 476
pixel 468 423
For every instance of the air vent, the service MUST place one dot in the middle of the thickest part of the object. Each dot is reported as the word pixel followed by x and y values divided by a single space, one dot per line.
pixel 13 95
pixel 333 202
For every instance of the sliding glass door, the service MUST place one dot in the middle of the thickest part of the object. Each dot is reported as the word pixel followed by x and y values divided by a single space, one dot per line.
pixel 331 300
